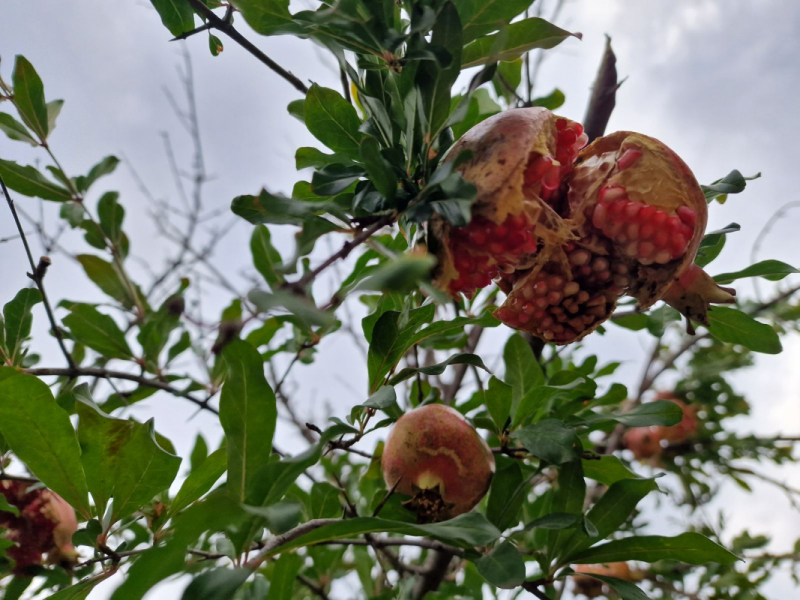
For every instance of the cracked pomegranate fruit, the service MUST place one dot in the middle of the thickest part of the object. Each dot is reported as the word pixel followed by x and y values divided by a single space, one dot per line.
pixel 591 587
pixel 439 459
pixel 45 525
pixel 566 229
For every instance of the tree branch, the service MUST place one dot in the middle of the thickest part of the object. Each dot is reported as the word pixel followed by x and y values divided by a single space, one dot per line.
pixel 228 29
pixel 435 570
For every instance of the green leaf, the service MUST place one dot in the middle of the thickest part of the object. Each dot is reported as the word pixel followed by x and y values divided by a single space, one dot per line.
pixel 555 521
pixel 691 548
pixel 101 437
pixel 379 170
pixel 40 433
pixel 467 530
pixel 552 101
pixel 333 121
pixel 16 130
pixel 268 17
pixel 104 167
pixel 143 469
pixel 569 497
pixel 6 507
pixel 400 275
pixel 323 502
pixel 53 110
pixel 774 270
pixel 733 183
pixel 276 209
pixel 18 319
pixel 215 45
pixel 105 276
pixel 29 97
pixel 99 332
pixel 658 412
pixel 498 402
pixel 385 399
pixel 521 36
pixel 176 15
pixel 281 583
pixel 307 157
pixel 625 589
pixel 735 327
pixel 438 369
pixel 247 412
pixel 480 17
pixel 217 584
pixel 523 372
pixel 607 470
pixel 503 567
pixel 550 440
pixel 610 512
pixel 80 590
pixel 200 480
pixel 506 494
pixel 26 180
pixel 297 305
pixel 266 258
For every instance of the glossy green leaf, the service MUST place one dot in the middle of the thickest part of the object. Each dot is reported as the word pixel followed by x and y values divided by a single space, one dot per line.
pixel 29 97
pixel 569 497
pixel 550 440
pixel 200 480
pixel 80 590
pixel 480 17
pixel 774 270
pixel 735 327
pixel 503 567
pixel 506 494
pixel 268 17
pixel 283 577
pixel 379 170
pixel 691 548
pixel 499 398
pixel 733 183
pixel 314 158
pixel 467 530
pixel 625 589
pixel 101 169
pixel 297 305
pixel 105 276
pixel 555 521
pixel 97 331
pixel 437 369
pixel 323 501
pixel 215 45
pixel 26 180
pixel 176 15
pixel 40 433
pixel 519 38
pixel 266 258
pixel 400 275
pixel 523 372
pixel 247 412
pixel 607 470
pixel 658 412
pixel 16 130
pixel 17 319
pixel 610 512
pixel 217 584
pixel 6 507
pixel 333 121
pixel 143 470
pixel 552 101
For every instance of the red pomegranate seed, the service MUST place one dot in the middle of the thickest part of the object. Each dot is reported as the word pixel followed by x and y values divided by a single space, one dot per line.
pixel 537 168
pixel 496 248
pixel 629 158
pixel 477 237
pixel 555 282
pixel 564 156
pixel 632 210
pixel 577 128
pixel 599 216
pixel 528 308
pixel 540 288
pixel 561 124
pixel 611 193
pixel 500 232
pixel 516 221
pixel 661 239
pixel 687 215
pixel 646 231
pixel 659 218
pixel 646 249
pixel 551 179
pixel 567 137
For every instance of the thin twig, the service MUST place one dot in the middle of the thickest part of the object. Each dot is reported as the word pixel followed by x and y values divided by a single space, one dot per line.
pixel 37 275
pixel 228 29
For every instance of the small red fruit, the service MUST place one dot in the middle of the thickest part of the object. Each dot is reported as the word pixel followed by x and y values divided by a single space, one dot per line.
pixel 684 430
pixel 644 442
pixel 440 460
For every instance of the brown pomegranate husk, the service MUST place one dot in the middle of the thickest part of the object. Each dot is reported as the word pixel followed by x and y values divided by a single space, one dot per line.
pixel 501 148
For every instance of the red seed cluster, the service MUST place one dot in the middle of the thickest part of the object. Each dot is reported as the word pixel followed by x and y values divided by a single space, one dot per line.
pixel 32 530
pixel 644 232
pixel 549 172
pixel 559 309
pixel 483 248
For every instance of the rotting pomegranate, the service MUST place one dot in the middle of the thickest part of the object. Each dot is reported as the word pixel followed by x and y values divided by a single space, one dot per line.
pixel 591 587
pixel 440 460
pixel 565 230
pixel 45 525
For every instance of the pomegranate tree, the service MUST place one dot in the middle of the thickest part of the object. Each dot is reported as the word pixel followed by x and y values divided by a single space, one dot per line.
pixel 45 525
pixel 566 229
pixel 439 459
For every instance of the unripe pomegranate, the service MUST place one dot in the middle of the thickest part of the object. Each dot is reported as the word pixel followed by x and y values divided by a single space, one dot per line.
pixel 592 588
pixel 644 442
pixel 567 230
pixel 440 460
pixel 45 525
pixel 684 430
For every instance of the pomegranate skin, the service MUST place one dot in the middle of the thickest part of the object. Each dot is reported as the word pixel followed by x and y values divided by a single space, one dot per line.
pixel 566 230
pixel 434 449
pixel 592 588
pixel 644 442
pixel 684 430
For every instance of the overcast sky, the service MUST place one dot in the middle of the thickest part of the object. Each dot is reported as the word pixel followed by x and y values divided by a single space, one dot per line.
pixel 716 80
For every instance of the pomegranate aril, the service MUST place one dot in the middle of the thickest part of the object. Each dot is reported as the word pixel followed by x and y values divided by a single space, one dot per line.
pixel 563 156
pixel 537 168
pixel 477 237
pixel 661 238
pixel 516 221
pixel 629 158
pixel 551 179
pixel 646 231
pixel 554 297
pixel 540 288
pixel 561 124
pixel 583 139
pixel 496 248
pixel 580 257
pixel 632 231
pixel 611 193
pixel 632 210
pixel 646 249
pixel 577 128
pixel 571 288
pixel 687 215
pixel 662 257
pixel 678 246
pixel 541 302
pixel 555 282
pixel 599 216
pixel 567 137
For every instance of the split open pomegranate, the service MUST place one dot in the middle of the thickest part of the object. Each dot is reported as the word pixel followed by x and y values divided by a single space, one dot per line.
pixel 566 229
